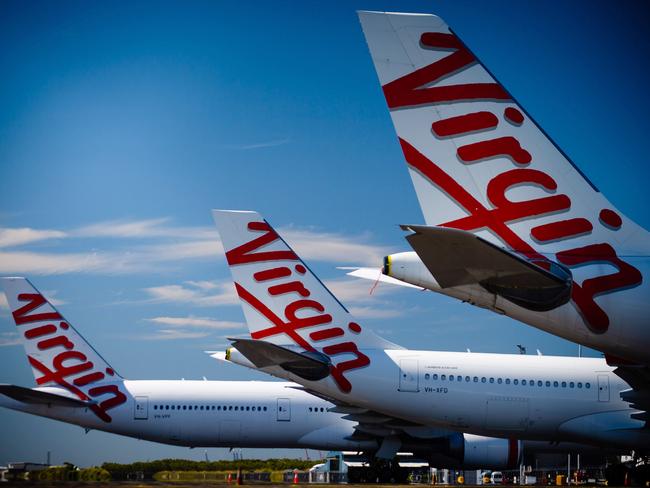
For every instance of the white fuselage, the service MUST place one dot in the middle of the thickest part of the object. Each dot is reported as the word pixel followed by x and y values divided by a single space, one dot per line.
pixel 499 395
pixel 627 336
pixel 214 414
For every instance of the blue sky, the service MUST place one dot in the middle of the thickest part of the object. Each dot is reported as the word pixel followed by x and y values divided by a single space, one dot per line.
pixel 122 125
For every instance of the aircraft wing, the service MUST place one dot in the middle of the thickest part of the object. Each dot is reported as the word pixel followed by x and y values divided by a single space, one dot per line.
pixel 371 425
pixel 638 377
pixel 390 433
pixel 29 395
pixel 456 257
pixel 309 365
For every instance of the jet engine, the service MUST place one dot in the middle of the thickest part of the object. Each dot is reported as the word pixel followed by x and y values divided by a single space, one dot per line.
pixel 480 452
pixel 468 451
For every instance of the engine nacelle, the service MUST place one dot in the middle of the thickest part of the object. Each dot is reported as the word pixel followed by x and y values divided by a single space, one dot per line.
pixel 408 267
pixel 485 452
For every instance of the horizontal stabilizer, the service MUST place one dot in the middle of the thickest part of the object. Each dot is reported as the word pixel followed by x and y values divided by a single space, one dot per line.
pixel 28 395
pixel 456 258
pixel 375 274
pixel 310 365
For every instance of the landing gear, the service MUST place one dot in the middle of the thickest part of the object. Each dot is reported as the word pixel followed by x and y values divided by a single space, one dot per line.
pixel 378 471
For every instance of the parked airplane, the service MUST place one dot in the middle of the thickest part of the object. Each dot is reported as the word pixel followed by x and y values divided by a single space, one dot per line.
pixel 77 386
pixel 512 224
pixel 301 332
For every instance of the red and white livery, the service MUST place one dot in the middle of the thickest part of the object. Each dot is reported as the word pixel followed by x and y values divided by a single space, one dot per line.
pixel 512 224
pixel 302 333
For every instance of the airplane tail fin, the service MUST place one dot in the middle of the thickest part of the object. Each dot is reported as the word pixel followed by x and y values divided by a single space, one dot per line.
pixel 477 160
pixel 284 302
pixel 57 353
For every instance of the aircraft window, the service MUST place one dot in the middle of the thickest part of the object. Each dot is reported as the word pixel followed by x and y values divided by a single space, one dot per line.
pixel 173 407
pixel 467 378
pixel 218 407
pixel 212 407
pixel 196 407
pixel 564 384
pixel 499 381
pixel 451 377
pixel 236 407
pixel 516 382
pixel 571 384
pixel 555 384
pixel 427 376
pixel 443 377
pixel 484 379
pixel 587 385
pixel 155 407
pixel 531 382
pixel 248 409
pixel 265 409
pixel 166 407
pixel 579 384
pixel 322 409
pixel 475 379
pixel 507 381
pixel 230 407
pixel 548 383
pixel 523 382
pixel 491 380
pixel 435 376
pixel 540 383
pixel 310 409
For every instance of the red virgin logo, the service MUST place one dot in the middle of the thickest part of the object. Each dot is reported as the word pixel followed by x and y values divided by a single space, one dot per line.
pixel 419 88
pixel 69 368
pixel 301 314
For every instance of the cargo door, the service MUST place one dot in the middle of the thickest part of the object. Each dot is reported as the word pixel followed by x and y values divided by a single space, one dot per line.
pixel 408 375
pixel 603 388
pixel 141 409
pixel 507 414
pixel 284 409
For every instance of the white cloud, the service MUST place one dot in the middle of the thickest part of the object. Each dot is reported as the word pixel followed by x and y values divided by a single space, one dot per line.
pixel 147 228
pixel 259 145
pixel 3 302
pixel 220 294
pixel 334 248
pixel 9 339
pixel 122 228
pixel 185 250
pixel 167 243
pixel 26 262
pixel 204 285
pixel 375 312
pixel 50 296
pixel 24 235
pixel 175 334
pixel 197 322
pixel 355 291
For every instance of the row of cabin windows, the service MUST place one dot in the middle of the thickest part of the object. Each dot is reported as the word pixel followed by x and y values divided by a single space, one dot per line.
pixel 316 409
pixel 507 381
pixel 222 408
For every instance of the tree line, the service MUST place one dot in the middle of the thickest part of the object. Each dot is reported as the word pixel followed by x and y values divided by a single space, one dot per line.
pixel 149 468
